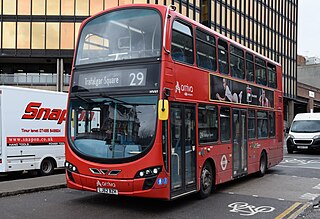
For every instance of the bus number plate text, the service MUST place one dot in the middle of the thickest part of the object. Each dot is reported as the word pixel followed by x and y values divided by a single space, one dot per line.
pixel 107 191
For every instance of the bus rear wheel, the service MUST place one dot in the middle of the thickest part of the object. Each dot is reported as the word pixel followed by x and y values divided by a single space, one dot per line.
pixel 263 164
pixel 46 167
pixel 206 181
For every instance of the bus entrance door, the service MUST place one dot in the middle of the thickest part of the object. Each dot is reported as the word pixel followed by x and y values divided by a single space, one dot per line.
pixel 183 149
pixel 239 143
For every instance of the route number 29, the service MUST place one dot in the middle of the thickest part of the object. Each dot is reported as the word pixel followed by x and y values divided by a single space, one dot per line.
pixel 136 78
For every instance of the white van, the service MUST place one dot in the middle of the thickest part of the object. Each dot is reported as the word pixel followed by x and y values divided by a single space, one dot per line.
pixel 304 133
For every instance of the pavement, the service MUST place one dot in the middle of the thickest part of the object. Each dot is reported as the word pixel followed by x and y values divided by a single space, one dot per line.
pixel 35 184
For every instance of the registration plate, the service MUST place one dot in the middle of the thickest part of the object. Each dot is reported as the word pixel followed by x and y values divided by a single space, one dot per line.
pixel 107 191
pixel 302 147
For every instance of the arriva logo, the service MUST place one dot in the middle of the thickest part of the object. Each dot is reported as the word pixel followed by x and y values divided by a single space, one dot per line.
pixel 186 89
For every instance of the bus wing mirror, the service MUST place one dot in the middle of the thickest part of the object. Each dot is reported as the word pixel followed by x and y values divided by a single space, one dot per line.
pixel 163 109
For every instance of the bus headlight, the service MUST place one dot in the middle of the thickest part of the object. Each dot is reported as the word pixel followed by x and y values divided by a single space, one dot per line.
pixel 148 172
pixel 72 168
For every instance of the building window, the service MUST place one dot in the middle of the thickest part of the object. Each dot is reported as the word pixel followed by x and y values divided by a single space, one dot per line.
pixel 9 35
pixel 67 7
pixel 52 36
pixel 82 7
pixel 23 35
pixel 38 7
pixel 38 29
pixel 24 7
pixel 67 36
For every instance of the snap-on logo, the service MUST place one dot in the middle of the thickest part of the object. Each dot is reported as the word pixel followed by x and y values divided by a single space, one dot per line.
pixel 33 111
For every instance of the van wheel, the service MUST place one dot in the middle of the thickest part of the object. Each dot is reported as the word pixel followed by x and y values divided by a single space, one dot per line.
pixel 46 167
pixel 206 181
pixel 290 151
pixel 263 164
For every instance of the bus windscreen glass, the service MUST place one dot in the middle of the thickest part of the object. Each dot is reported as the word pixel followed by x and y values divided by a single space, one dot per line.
pixel 120 35
pixel 113 127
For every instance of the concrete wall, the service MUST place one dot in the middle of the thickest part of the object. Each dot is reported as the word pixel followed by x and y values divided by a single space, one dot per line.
pixel 309 74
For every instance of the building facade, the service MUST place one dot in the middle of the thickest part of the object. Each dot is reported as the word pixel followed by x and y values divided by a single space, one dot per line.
pixel 38 36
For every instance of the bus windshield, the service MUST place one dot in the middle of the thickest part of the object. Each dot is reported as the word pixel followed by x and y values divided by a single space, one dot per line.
pixel 306 126
pixel 120 35
pixel 113 127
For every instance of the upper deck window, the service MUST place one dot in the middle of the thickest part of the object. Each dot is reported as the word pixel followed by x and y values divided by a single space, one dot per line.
pixel 182 43
pixel 261 76
pixel 120 35
pixel 206 51
pixel 249 67
pixel 272 77
pixel 236 62
pixel 223 56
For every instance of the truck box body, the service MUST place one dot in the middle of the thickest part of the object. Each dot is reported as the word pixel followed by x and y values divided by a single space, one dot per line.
pixel 31 128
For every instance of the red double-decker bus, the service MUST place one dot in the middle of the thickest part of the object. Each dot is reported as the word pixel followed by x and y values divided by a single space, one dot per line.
pixel 161 106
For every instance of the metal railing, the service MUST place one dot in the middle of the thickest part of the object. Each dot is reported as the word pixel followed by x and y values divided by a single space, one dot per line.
pixel 43 79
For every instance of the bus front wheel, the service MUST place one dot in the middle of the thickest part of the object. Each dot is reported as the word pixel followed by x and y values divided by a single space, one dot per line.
pixel 206 181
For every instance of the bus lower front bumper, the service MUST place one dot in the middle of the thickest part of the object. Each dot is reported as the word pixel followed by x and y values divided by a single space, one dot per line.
pixel 142 187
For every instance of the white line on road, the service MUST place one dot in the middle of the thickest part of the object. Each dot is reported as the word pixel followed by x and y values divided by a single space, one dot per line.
pixel 309 196
pixel 316 187
pixel 302 167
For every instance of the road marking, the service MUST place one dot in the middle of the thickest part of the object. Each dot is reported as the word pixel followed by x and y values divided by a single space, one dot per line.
pixel 281 199
pixel 299 211
pixel 309 196
pixel 316 187
pixel 288 210
pixel 256 196
pixel 244 209
pixel 303 167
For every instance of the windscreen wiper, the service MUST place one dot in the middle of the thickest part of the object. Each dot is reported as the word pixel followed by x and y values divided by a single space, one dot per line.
pixel 115 99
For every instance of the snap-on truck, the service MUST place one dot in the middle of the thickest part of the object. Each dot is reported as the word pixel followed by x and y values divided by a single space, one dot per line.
pixel 31 130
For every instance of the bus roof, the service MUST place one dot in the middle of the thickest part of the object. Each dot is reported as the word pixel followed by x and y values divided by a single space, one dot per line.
pixel 163 8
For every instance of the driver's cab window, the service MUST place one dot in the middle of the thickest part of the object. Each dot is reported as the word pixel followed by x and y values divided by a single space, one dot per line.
pixel 182 43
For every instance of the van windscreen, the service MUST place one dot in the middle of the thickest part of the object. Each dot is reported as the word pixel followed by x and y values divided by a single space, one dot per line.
pixel 306 126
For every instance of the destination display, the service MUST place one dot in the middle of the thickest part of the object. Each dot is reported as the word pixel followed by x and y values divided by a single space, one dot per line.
pixel 112 78
pixel 223 89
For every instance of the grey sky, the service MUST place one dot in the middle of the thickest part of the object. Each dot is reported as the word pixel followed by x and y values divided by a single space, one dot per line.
pixel 309 28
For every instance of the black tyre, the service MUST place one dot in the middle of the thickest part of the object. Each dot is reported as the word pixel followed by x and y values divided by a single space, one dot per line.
pixel 206 181
pixel 46 167
pixel 290 151
pixel 263 164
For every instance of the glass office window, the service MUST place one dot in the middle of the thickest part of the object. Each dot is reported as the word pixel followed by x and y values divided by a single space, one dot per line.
pixel 67 7
pixel 82 7
pixel 52 36
pixel 24 7
pixel 96 6
pixel 9 35
pixel 76 32
pixel 38 29
pixel 9 7
pixel 53 7
pixel 38 7
pixel 67 33
pixel 23 35
pixel 125 2
pixel 110 3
